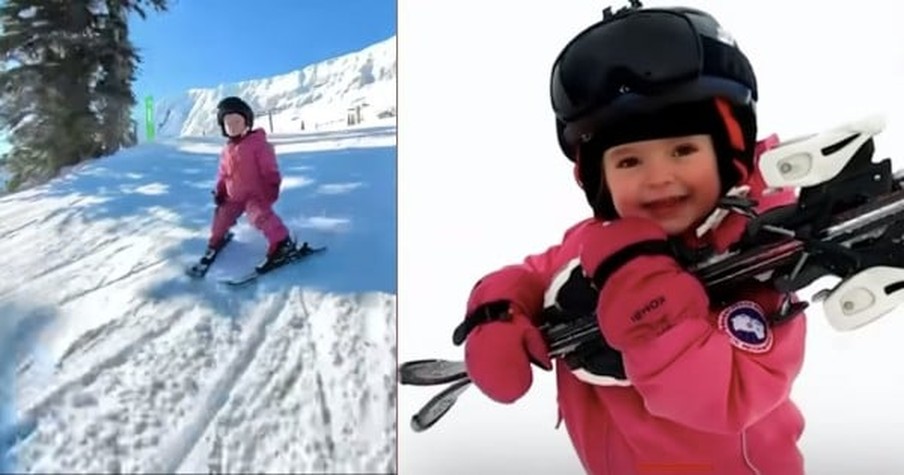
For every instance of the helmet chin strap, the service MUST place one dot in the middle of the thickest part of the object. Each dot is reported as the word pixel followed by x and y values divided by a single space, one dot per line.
pixel 735 199
pixel 723 207
pixel 577 175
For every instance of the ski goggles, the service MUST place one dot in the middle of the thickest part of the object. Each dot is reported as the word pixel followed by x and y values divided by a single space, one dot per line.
pixel 640 62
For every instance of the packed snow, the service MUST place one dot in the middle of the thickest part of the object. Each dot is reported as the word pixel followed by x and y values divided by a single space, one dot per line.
pixel 115 361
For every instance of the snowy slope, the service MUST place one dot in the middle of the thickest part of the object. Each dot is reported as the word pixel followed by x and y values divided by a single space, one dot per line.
pixel 123 364
pixel 319 95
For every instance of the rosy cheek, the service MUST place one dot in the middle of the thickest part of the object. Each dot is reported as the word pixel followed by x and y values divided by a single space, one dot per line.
pixel 623 199
pixel 712 187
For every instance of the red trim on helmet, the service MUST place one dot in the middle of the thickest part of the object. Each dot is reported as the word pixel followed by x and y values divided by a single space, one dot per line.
pixel 735 133
pixel 735 137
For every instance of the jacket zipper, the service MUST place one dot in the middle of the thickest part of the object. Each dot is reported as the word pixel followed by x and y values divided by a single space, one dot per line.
pixel 746 455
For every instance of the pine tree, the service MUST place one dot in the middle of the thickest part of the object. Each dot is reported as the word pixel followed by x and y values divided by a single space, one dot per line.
pixel 65 85
pixel 113 90
pixel 119 61
pixel 46 96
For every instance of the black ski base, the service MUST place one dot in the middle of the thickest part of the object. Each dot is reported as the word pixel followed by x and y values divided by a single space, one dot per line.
pixel 430 372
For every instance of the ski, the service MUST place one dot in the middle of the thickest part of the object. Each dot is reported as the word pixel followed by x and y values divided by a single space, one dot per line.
pixel 299 255
pixel 438 406
pixel 431 372
pixel 199 269
pixel 848 222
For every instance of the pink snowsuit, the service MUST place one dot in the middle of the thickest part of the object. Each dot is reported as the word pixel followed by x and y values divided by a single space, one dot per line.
pixel 249 179
pixel 709 386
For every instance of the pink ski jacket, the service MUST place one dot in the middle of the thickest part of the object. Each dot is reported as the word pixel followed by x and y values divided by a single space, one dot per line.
pixel 248 169
pixel 708 384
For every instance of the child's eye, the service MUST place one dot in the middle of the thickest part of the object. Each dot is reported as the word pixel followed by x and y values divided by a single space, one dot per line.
pixel 684 150
pixel 627 162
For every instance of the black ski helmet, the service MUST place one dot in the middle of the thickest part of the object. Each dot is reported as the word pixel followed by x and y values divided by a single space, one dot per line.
pixel 652 72
pixel 234 105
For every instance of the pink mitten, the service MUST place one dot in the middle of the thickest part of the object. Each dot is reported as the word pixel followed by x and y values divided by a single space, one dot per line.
pixel 501 340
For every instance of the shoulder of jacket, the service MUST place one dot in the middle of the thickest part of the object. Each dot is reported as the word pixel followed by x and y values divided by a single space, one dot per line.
pixel 577 227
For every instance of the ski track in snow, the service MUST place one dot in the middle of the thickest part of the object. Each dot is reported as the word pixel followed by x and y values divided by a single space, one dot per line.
pixel 154 373
pixel 236 404
pixel 284 413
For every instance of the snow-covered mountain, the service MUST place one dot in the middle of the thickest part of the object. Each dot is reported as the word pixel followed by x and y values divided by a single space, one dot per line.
pixel 319 96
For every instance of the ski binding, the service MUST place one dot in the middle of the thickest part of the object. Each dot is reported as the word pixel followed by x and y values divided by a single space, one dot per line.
pixel 803 161
pixel 300 253
pixel 864 297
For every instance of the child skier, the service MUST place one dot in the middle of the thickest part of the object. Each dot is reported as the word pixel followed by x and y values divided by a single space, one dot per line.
pixel 248 181
pixel 655 107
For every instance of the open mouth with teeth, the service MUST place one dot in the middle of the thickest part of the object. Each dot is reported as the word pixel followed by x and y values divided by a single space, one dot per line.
pixel 665 204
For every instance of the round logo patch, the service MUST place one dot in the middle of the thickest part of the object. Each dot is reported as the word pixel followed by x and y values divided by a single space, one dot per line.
pixel 746 326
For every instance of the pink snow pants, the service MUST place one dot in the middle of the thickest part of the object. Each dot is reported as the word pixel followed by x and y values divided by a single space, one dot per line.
pixel 260 214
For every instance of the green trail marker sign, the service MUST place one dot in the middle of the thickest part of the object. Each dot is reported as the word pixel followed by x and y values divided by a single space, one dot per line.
pixel 149 117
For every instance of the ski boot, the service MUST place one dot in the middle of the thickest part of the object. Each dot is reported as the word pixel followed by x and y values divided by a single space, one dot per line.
pixel 282 253
pixel 210 255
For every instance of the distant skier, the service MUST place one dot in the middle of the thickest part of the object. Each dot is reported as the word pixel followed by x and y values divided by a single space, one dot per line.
pixel 248 181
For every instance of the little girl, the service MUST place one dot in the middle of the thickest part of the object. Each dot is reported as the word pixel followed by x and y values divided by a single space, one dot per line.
pixel 248 181
pixel 655 107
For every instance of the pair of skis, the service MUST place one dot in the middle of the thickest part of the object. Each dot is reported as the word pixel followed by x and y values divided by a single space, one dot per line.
pixel 433 372
pixel 848 222
pixel 199 269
